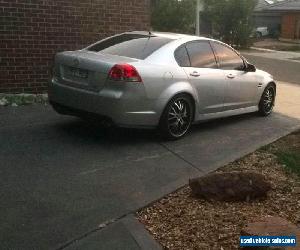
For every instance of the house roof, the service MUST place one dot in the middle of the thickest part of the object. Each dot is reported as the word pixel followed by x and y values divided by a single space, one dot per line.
pixel 289 5
pixel 262 4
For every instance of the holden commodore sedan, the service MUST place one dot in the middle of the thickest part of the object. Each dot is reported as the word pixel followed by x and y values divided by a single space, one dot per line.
pixel 158 80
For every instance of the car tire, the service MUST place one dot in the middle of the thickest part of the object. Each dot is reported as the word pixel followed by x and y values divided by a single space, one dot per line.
pixel 177 117
pixel 258 34
pixel 267 100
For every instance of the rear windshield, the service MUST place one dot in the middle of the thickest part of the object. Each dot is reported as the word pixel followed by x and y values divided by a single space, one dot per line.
pixel 130 45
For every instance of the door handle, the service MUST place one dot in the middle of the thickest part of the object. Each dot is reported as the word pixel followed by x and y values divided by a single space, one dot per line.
pixel 231 76
pixel 195 73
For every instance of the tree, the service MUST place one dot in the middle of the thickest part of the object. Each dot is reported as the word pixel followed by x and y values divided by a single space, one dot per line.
pixel 174 16
pixel 231 20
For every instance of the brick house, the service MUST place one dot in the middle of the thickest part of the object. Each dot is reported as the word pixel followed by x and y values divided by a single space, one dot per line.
pixel 285 15
pixel 290 19
pixel 31 32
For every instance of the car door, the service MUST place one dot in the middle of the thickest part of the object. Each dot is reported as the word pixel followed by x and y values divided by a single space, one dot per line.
pixel 203 73
pixel 241 86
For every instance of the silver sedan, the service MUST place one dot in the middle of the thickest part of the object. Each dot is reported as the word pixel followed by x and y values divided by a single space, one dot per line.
pixel 158 80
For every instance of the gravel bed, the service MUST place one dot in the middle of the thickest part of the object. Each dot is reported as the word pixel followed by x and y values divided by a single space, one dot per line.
pixel 180 221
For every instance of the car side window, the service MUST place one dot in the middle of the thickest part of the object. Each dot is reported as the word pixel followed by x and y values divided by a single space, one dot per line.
pixel 182 57
pixel 201 54
pixel 228 59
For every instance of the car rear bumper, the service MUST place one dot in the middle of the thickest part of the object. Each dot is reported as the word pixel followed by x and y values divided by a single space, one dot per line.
pixel 125 107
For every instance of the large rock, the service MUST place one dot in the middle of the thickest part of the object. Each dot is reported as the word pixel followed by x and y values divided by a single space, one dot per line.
pixel 230 186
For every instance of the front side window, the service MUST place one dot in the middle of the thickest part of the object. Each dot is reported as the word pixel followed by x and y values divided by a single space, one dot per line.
pixel 228 59
pixel 130 45
pixel 201 54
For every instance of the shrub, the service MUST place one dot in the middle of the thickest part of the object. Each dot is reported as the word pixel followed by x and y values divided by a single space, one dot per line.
pixel 174 16
pixel 231 20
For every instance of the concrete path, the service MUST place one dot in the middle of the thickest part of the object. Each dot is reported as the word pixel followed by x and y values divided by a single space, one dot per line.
pixel 65 183
pixel 125 234
pixel 288 100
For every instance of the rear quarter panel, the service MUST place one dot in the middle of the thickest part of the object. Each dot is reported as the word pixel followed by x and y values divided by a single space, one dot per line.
pixel 162 82
pixel 163 78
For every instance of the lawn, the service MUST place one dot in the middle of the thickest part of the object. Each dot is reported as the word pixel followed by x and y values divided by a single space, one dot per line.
pixel 290 160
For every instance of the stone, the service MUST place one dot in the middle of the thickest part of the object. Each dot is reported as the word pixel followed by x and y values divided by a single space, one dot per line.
pixel 230 186
pixel 297 190
pixel 272 226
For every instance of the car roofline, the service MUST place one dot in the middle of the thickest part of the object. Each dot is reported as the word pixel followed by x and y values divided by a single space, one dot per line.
pixel 179 36
pixel 173 36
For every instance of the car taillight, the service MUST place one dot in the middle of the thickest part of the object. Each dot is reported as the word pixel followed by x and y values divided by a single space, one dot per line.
pixel 124 72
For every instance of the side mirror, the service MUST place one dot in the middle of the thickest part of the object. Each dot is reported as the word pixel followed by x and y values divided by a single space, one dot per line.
pixel 250 67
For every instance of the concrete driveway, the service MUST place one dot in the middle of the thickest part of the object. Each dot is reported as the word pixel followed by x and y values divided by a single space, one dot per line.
pixel 62 178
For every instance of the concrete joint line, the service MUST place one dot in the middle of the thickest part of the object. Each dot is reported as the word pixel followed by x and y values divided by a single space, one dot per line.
pixel 100 227
pixel 182 158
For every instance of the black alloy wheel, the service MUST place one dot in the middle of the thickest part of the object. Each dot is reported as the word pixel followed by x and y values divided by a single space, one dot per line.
pixel 177 117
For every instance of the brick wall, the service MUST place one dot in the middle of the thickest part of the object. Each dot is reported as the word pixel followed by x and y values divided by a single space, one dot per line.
pixel 32 31
pixel 288 26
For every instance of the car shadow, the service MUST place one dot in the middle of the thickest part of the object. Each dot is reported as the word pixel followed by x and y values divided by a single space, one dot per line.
pixel 219 122
pixel 106 135
pixel 111 135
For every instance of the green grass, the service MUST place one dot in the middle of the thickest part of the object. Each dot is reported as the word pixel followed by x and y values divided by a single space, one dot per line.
pixel 22 99
pixel 291 161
